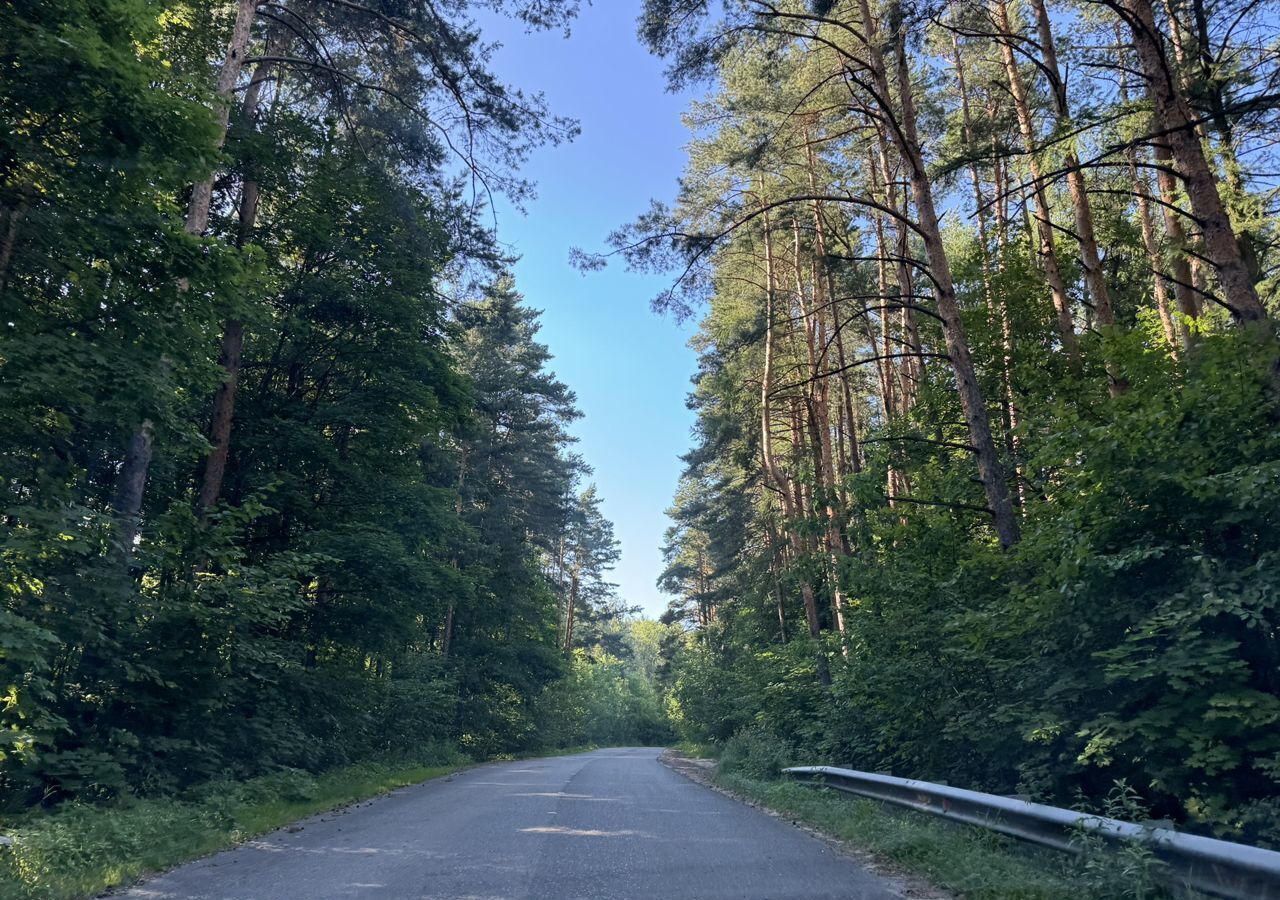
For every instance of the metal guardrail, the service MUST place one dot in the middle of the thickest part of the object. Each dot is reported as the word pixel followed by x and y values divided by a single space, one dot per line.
pixel 1211 866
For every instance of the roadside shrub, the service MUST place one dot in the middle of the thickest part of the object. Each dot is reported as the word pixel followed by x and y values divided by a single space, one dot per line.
pixel 757 753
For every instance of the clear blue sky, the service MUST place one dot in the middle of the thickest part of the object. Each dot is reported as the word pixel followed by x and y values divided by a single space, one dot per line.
pixel 629 367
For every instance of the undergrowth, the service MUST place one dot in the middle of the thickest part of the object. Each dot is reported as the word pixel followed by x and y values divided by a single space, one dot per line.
pixel 695 750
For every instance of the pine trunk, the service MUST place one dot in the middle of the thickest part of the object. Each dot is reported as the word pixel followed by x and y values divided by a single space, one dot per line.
pixel 131 483
pixel 1047 248
pixel 1090 260
pixel 773 471
pixel 990 471
pixel 224 400
pixel 1175 120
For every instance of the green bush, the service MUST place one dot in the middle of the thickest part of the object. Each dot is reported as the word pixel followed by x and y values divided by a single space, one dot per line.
pixel 756 753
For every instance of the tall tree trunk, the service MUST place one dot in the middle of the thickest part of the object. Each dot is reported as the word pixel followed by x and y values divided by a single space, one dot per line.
pixel 1213 93
pixel 806 545
pixel 1191 298
pixel 819 404
pixel 215 463
pixel 1090 261
pixel 232 66
pixel 561 594
pixel 573 604
pixel 1175 119
pixel 773 471
pixel 446 638
pixel 1175 34
pixel 910 374
pixel 845 426
pixel 846 422
pixel 777 584
pixel 1146 222
pixel 224 400
pixel 990 471
pixel 131 483
pixel 1000 177
pixel 997 304
pixel 975 178
pixel 1152 245
pixel 1184 280
pixel 451 608
pixel 885 374
pixel 1047 250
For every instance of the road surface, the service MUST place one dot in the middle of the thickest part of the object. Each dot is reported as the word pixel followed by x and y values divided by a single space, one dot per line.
pixel 607 825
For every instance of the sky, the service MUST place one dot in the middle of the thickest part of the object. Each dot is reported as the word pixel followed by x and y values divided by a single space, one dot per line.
pixel 629 367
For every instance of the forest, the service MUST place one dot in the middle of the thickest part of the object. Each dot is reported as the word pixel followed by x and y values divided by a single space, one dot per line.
pixel 986 465
pixel 288 481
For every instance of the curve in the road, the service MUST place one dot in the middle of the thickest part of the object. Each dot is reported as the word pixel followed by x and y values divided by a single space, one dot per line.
pixel 607 825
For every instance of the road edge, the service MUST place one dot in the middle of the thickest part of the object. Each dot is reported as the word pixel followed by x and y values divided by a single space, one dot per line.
pixel 903 882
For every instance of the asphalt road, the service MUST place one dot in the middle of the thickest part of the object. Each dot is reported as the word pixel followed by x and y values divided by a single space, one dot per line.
pixel 608 825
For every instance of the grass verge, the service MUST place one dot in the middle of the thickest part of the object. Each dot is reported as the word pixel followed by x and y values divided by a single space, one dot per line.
pixel 694 750
pixel 79 851
pixel 971 862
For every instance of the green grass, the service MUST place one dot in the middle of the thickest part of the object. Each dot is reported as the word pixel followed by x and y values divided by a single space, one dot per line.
pixel 972 862
pixel 78 851
pixel 694 750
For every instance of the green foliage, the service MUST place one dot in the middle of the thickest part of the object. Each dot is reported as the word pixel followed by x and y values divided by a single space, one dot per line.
pixel 756 754
pixel 1124 638
pixel 1132 869
pixel 601 702
pixel 831 557
pixel 379 572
